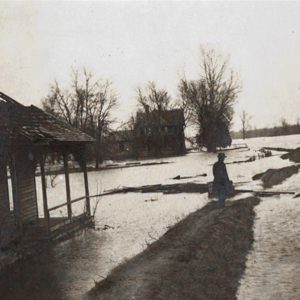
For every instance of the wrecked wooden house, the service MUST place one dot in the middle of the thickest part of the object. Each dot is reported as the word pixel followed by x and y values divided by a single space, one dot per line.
pixel 27 136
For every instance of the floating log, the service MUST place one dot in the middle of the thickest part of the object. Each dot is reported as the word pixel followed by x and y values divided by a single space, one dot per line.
pixel 179 177
pixel 189 187
pixel 240 161
pixel 265 193
pixel 279 149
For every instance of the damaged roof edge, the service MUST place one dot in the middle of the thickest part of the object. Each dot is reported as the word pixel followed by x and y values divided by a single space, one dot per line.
pixel 88 137
pixel 36 124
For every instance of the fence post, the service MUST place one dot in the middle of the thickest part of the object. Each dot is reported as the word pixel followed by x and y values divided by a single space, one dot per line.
pixel 44 190
pixel 86 185
pixel 68 192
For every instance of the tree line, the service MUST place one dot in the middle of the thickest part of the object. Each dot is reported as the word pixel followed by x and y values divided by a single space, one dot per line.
pixel 207 102
pixel 283 129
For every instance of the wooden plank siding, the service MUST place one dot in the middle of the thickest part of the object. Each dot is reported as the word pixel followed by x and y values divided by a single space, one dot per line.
pixel 7 228
pixel 25 187
pixel 4 194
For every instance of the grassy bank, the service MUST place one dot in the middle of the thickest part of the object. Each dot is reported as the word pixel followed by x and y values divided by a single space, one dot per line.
pixel 202 257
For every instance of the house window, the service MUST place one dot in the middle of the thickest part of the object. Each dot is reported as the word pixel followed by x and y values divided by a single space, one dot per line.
pixel 127 147
pixel 121 146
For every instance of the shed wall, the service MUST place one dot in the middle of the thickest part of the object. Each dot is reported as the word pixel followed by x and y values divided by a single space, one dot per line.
pixel 25 187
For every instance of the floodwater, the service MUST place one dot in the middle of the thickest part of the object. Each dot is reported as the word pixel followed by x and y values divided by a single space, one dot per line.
pixel 131 221
pixel 273 265
pixel 272 269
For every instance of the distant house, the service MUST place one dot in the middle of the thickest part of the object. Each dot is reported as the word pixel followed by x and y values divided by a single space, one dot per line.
pixel 156 133
pixel 160 133
pixel 27 136
pixel 119 145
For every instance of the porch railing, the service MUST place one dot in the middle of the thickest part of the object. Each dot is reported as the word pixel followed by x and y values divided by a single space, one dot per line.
pixel 56 222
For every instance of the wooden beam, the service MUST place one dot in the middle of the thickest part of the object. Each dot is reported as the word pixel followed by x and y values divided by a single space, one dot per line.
pixel 266 193
pixel 86 185
pixel 279 149
pixel 44 190
pixel 68 192
pixel 64 204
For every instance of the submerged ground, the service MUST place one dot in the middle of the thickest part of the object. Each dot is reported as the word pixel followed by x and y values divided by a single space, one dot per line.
pixel 127 223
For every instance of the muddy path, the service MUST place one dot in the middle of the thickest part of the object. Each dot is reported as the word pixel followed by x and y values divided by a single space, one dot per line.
pixel 201 257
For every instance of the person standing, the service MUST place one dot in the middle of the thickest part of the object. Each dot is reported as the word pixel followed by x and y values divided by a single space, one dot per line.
pixel 221 184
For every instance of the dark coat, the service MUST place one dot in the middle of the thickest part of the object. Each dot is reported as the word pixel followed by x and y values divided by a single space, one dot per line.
pixel 221 185
pixel 220 173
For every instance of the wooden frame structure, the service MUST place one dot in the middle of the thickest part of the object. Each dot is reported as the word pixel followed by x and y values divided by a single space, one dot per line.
pixel 27 136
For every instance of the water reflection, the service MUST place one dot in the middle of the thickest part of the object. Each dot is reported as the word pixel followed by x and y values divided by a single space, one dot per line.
pixel 62 272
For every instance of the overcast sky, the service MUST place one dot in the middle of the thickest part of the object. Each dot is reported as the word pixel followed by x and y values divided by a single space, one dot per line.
pixel 134 42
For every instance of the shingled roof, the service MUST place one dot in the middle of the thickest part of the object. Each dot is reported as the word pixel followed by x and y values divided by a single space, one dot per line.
pixel 35 124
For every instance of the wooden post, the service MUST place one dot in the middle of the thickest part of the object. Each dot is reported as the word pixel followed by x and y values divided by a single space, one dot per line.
pixel 86 185
pixel 17 211
pixel 44 189
pixel 66 167
pixel 36 199
pixel 4 194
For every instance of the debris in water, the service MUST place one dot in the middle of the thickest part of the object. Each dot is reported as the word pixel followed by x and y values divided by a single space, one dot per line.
pixel 105 227
pixel 178 177
pixel 151 200
pixel 276 176
pixel 292 155
pixel 188 187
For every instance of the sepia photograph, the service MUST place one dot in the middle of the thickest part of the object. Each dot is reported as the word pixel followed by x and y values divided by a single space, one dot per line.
pixel 149 150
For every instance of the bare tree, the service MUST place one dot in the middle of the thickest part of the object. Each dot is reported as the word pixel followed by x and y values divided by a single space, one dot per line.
pixel 87 105
pixel 245 119
pixel 284 126
pixel 183 104
pixel 152 101
pixel 151 98
pixel 129 134
pixel 210 100
pixel 58 103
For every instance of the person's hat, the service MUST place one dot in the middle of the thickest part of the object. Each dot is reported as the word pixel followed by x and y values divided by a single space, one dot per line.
pixel 221 155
